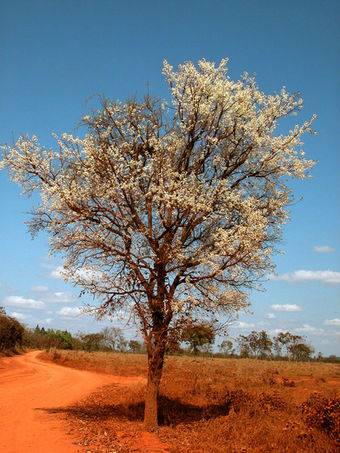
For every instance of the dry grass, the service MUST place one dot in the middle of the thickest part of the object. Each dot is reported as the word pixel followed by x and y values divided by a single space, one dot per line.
pixel 212 405
pixel 103 362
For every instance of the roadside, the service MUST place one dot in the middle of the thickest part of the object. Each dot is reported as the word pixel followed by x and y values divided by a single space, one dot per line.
pixel 33 393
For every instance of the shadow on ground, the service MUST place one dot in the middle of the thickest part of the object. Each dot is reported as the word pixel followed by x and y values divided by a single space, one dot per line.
pixel 171 411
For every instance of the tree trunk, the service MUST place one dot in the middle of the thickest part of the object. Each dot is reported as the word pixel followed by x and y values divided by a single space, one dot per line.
pixel 155 367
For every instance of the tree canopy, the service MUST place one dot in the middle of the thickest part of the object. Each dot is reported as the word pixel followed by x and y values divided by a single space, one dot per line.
pixel 11 332
pixel 170 209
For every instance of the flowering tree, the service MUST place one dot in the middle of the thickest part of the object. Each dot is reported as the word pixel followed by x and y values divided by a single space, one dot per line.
pixel 171 210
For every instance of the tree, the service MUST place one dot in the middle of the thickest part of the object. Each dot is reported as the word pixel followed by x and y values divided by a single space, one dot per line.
pixel 282 342
pixel 257 343
pixel 171 210
pixel 113 338
pixel 11 332
pixel 135 346
pixel 293 346
pixel 91 341
pixel 301 351
pixel 198 336
pixel 226 348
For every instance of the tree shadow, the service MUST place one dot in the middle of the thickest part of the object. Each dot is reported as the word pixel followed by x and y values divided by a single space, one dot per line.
pixel 11 352
pixel 171 411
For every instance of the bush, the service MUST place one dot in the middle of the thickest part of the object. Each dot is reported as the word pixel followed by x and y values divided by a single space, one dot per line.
pixel 324 414
pixel 11 332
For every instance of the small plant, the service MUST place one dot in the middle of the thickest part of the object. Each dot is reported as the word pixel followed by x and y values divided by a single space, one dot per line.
pixel 288 382
pixel 269 401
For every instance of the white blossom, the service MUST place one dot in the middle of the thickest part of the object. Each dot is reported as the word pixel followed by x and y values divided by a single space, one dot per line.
pixel 173 205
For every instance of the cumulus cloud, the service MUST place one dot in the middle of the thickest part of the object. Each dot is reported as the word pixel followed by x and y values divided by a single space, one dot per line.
pixel 306 328
pixel 22 302
pixel 300 276
pixel 61 297
pixel 19 316
pixel 323 248
pixel 69 311
pixel 286 307
pixel 85 273
pixel 269 316
pixel 53 296
pixel 58 297
pixel 47 320
pixel 243 325
pixel 58 273
pixel 40 289
pixel 274 332
pixel 333 322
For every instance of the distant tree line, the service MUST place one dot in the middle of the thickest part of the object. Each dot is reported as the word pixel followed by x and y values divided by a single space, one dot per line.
pixel 195 339
pixel 283 346
pixel 108 339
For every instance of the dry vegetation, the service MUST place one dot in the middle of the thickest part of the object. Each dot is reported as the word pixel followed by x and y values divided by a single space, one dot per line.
pixel 211 405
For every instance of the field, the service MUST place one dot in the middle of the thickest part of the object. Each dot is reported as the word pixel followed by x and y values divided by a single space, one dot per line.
pixel 210 405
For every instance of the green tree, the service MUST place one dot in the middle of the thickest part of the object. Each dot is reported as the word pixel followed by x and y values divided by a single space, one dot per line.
pixel 198 336
pixel 256 343
pixel 135 346
pixel 92 341
pixel 300 351
pixel 282 341
pixel 62 338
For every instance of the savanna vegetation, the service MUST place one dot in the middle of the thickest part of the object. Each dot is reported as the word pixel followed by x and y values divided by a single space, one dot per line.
pixel 215 405
pixel 11 332
pixel 197 339
pixel 288 402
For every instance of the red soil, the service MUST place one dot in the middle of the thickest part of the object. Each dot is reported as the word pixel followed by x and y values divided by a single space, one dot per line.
pixel 28 387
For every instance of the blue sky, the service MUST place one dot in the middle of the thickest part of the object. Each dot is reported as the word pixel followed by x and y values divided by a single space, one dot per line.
pixel 56 54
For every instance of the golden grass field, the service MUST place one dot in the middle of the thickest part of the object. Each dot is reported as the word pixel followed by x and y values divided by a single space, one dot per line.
pixel 211 405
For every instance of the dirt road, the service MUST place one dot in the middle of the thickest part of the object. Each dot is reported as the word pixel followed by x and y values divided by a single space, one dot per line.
pixel 27 387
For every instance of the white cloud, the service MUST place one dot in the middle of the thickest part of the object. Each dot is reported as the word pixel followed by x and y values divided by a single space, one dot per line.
pixel 19 316
pixel 40 289
pixel 57 273
pixel 269 316
pixel 53 296
pixel 328 277
pixel 59 297
pixel 48 320
pixel 306 328
pixel 84 273
pixel 243 325
pixel 323 248
pixel 70 311
pixel 286 307
pixel 276 331
pixel 18 301
pixel 333 322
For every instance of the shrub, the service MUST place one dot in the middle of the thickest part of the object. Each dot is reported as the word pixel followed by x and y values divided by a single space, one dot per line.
pixel 11 332
pixel 324 414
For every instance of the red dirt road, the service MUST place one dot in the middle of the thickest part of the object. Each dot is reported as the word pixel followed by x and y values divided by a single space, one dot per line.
pixel 28 385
